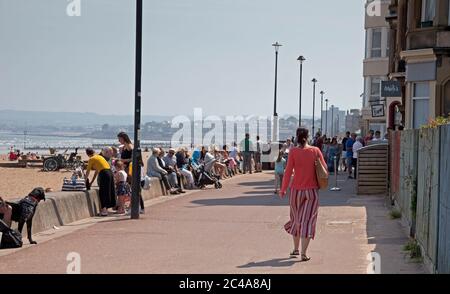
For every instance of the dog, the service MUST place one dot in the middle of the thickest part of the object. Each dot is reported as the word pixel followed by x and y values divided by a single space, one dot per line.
pixel 23 211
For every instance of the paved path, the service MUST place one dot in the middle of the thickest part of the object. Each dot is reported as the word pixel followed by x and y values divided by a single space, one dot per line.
pixel 235 230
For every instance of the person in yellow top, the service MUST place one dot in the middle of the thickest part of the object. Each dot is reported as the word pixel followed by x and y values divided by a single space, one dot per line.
pixel 107 191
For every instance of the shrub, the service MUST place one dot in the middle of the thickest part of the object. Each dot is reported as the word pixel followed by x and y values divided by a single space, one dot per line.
pixel 414 249
pixel 395 214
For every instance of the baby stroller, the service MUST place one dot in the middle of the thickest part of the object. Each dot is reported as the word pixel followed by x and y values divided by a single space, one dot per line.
pixel 204 178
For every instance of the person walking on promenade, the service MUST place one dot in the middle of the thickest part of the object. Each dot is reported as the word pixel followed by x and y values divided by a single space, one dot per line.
pixel 258 164
pixel 107 191
pixel 304 196
pixel 280 166
pixel 359 144
pixel 247 148
pixel 349 148
pixel 344 150
pixel 332 153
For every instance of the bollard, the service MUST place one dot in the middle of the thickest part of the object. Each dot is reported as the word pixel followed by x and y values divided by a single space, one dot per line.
pixel 335 188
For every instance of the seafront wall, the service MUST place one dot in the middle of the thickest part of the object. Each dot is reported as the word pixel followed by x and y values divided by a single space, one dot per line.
pixel 63 208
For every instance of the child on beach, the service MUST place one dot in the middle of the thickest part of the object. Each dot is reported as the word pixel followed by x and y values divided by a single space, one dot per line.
pixel 122 187
pixel 280 166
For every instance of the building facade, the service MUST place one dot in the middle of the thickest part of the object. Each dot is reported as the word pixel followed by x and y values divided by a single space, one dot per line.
pixel 353 121
pixel 421 59
pixel 375 67
pixel 334 121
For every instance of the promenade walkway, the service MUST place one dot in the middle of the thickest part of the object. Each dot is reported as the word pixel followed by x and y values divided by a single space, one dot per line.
pixel 235 230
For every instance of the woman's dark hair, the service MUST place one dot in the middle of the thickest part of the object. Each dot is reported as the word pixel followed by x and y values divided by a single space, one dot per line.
pixel 280 156
pixel 302 136
pixel 90 151
pixel 125 137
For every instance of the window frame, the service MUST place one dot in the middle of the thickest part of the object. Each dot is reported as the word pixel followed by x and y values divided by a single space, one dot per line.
pixel 372 79
pixel 425 22
pixel 377 49
pixel 415 98
pixel 448 11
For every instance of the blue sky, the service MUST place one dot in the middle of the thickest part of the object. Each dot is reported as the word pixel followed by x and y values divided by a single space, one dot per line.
pixel 214 54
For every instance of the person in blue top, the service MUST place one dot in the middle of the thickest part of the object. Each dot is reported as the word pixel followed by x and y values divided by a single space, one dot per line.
pixel 349 148
pixel 332 153
pixel 196 157
pixel 280 167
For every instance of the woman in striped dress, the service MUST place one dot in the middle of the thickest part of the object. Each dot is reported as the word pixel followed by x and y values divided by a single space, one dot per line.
pixel 304 197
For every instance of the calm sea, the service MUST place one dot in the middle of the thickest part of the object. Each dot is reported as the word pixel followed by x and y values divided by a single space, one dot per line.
pixel 32 143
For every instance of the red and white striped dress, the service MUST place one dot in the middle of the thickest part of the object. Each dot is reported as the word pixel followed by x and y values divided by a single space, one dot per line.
pixel 304 210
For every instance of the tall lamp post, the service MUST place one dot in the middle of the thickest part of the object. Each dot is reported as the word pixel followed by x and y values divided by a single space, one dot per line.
pixel 136 185
pixel 275 114
pixel 301 59
pixel 321 111
pixel 332 121
pixel 314 106
pixel 326 117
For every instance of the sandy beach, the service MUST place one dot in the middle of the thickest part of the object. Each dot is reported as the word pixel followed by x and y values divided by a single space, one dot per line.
pixel 18 182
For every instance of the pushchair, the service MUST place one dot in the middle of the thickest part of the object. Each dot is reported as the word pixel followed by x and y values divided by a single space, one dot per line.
pixel 204 178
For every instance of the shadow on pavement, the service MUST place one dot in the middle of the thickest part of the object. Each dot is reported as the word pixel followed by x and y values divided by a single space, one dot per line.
pixel 263 199
pixel 259 185
pixel 277 263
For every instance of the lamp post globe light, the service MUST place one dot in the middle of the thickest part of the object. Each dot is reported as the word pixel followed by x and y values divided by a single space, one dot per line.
pixel 275 113
pixel 321 111
pixel 301 59
pixel 314 81
pixel 326 117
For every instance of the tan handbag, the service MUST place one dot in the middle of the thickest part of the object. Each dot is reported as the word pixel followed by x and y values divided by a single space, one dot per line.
pixel 322 175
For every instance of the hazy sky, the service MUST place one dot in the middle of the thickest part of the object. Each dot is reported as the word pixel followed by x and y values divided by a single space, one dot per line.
pixel 214 54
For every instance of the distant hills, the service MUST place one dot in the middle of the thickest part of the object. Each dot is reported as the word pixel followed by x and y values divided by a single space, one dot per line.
pixel 26 119
pixel 66 119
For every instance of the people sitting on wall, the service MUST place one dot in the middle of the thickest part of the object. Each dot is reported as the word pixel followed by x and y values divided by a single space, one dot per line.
pixel 155 170
pixel 183 167
pixel 175 176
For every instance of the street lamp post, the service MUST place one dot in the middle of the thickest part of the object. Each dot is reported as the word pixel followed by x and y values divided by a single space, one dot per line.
pixel 332 121
pixel 136 185
pixel 275 114
pixel 301 59
pixel 321 111
pixel 326 117
pixel 314 106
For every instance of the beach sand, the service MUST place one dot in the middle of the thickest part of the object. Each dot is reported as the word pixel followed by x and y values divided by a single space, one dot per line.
pixel 18 182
